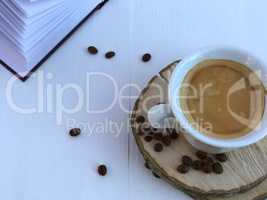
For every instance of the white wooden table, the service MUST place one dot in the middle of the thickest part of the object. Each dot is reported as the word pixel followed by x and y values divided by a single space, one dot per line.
pixel 38 158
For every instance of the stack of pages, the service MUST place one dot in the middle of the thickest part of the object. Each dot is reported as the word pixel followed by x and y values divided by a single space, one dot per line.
pixel 30 29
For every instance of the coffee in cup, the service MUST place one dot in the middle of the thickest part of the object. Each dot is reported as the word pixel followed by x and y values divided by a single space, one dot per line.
pixel 222 98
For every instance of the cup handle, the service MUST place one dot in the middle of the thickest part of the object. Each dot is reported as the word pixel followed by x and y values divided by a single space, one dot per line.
pixel 161 116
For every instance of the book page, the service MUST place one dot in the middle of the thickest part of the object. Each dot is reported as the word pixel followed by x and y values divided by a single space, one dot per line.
pixel 29 9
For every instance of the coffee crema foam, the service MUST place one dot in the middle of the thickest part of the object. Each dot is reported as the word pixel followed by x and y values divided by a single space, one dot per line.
pixel 222 98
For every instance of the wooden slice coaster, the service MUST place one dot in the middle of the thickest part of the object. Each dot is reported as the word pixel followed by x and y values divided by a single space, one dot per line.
pixel 245 169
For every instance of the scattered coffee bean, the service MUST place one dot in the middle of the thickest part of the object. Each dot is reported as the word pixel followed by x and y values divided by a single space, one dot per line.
pixel 147 129
pixel 170 130
pixel 201 155
pixel 148 138
pixel 166 140
pixel 209 160
pixel 147 165
pixel 140 131
pixel 146 57
pixel 156 175
pixel 206 167
pixel 183 169
pixel 186 160
pixel 197 164
pixel 173 134
pixel 92 50
pixel 217 168
pixel 222 157
pixel 140 119
pixel 102 170
pixel 165 132
pixel 155 130
pixel 158 147
pixel 151 132
pixel 110 54
pixel 75 132
pixel 158 136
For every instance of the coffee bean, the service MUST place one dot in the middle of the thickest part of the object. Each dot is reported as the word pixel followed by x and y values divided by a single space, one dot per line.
pixel 183 169
pixel 140 119
pixel 145 128
pixel 170 130
pixel 110 54
pixel 158 136
pixel 140 131
pixel 151 133
pixel 158 147
pixel 165 132
pixel 186 160
pixel 92 50
pixel 166 140
pixel 222 157
pixel 75 132
pixel 146 57
pixel 155 130
pixel 147 165
pixel 102 170
pixel 207 168
pixel 197 164
pixel 148 138
pixel 217 168
pixel 156 175
pixel 173 134
pixel 209 160
pixel 201 155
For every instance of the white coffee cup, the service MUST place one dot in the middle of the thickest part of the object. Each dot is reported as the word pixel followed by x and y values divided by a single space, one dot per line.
pixel 201 141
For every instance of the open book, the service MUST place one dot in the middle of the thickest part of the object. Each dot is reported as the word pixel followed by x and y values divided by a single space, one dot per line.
pixel 31 30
